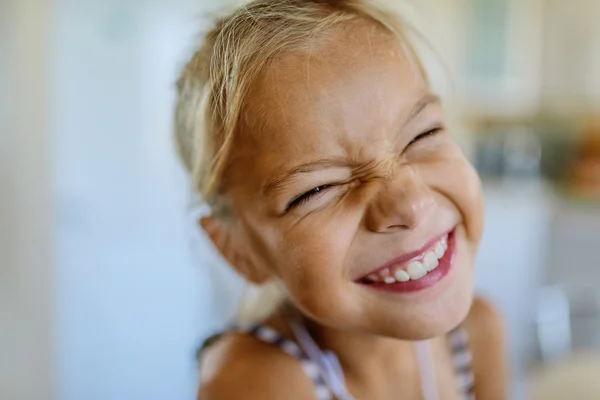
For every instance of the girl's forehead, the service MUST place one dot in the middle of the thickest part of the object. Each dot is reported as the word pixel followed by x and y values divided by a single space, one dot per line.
pixel 328 103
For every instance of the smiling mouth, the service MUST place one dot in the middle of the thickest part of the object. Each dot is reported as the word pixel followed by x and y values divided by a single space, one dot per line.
pixel 422 270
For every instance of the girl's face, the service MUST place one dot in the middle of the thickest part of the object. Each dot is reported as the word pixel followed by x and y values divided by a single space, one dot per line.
pixel 347 187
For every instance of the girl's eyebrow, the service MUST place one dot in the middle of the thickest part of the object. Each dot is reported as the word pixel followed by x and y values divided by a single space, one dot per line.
pixel 420 105
pixel 285 177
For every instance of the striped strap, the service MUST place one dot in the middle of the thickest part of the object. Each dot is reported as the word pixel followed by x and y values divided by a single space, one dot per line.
pixel 328 363
pixel 427 370
pixel 462 361
pixel 459 341
pixel 312 370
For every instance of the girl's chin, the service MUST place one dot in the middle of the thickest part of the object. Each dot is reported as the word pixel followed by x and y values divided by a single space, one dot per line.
pixel 423 330
pixel 430 321
pixel 428 330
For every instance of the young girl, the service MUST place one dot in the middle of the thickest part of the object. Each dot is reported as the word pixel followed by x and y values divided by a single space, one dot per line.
pixel 310 129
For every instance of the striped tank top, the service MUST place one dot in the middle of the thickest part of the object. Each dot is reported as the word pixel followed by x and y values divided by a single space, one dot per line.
pixel 325 371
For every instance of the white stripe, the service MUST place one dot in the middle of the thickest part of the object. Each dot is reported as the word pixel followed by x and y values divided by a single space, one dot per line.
pixel 291 348
pixel 462 359
pixel 465 381
pixel 268 335
pixel 311 369
pixel 322 392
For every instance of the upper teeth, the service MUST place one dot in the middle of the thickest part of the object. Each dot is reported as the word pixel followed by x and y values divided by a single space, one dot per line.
pixel 430 261
pixel 402 276
pixel 439 250
pixel 416 269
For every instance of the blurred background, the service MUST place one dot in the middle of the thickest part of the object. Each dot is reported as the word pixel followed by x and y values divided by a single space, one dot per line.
pixel 106 286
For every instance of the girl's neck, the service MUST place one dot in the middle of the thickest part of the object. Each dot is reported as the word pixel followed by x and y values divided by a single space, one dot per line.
pixel 361 355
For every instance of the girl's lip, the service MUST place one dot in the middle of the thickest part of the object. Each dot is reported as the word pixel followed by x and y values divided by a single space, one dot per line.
pixel 408 256
pixel 433 277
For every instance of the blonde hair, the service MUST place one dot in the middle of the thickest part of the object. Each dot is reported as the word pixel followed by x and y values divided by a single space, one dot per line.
pixel 214 84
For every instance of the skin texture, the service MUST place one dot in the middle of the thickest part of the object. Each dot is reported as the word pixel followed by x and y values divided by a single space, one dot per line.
pixel 358 118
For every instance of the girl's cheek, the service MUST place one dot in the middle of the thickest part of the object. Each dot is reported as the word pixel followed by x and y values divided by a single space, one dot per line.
pixel 452 176
pixel 313 272
pixel 313 263
pixel 474 200
pixel 465 191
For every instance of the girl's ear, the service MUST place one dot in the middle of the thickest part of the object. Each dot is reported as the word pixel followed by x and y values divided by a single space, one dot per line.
pixel 233 248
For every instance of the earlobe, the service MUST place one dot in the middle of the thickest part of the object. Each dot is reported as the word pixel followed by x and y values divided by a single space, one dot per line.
pixel 229 244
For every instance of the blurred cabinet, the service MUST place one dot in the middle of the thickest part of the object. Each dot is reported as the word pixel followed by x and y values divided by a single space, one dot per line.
pixel 500 69
pixel 509 57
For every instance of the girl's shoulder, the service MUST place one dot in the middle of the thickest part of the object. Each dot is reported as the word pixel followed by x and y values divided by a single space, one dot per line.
pixel 240 366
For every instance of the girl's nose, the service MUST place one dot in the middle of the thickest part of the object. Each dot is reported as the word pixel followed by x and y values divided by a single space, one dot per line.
pixel 403 201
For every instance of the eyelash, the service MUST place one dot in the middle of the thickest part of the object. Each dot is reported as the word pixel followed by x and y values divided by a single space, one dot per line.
pixel 430 132
pixel 298 201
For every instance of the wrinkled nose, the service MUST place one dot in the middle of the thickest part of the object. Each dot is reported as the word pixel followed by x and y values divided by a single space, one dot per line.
pixel 403 201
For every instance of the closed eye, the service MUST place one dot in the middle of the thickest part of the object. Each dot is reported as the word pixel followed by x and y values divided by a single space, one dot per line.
pixel 305 197
pixel 424 135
